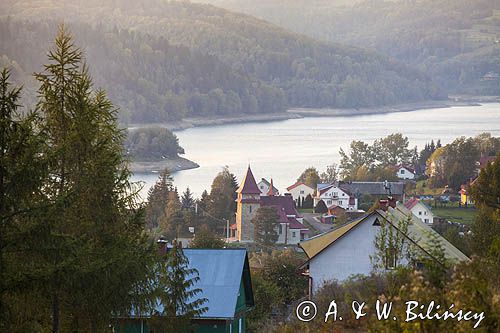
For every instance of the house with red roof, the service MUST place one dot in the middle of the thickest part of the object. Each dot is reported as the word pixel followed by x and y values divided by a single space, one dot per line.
pixel 249 200
pixel 420 210
pixel 300 191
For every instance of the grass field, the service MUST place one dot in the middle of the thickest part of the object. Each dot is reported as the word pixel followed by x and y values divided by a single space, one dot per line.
pixel 455 214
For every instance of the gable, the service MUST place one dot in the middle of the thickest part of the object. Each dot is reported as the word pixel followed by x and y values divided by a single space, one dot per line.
pixel 340 193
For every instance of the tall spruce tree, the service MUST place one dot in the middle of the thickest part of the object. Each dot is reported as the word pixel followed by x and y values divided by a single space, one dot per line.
pixel 93 250
pixel 158 199
pixel 21 174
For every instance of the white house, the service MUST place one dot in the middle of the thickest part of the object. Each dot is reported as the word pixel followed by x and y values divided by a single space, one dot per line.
pixel 420 210
pixel 405 172
pixel 300 191
pixel 264 187
pixel 335 195
pixel 347 250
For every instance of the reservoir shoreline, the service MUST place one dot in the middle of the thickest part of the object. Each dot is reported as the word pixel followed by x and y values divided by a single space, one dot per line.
pixel 298 113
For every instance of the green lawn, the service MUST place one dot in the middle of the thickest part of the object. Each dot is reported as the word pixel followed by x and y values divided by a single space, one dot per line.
pixel 455 214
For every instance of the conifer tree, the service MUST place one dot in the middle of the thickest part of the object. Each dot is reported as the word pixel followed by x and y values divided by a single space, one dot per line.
pixel 177 293
pixel 22 171
pixel 93 250
pixel 158 199
pixel 187 200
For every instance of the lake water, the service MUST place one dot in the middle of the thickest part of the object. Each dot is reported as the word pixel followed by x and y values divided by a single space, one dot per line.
pixel 283 149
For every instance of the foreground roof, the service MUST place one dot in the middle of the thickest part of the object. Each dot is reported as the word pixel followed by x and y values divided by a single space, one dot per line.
pixel 221 272
pixel 418 232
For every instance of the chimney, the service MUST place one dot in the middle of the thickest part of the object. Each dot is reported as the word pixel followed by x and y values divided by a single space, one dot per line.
pixel 391 202
pixel 162 246
pixel 383 204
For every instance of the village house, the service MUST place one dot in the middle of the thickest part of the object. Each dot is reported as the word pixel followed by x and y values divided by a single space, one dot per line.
pixel 465 198
pixel 347 250
pixel 224 278
pixel 264 186
pixel 334 194
pixel 405 172
pixel 420 210
pixel 300 191
pixel 347 194
pixel 249 200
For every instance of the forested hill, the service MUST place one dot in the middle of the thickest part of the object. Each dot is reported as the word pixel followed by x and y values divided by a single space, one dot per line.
pixel 457 42
pixel 164 60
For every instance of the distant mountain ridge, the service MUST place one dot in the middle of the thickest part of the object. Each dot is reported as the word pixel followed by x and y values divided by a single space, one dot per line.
pixel 457 42
pixel 163 61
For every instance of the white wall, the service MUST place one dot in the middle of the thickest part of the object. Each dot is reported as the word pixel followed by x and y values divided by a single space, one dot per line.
pixel 341 200
pixel 348 255
pixel 291 238
pixel 423 213
pixel 406 175
pixel 301 191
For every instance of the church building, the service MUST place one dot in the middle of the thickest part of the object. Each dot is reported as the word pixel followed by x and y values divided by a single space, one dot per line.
pixel 250 199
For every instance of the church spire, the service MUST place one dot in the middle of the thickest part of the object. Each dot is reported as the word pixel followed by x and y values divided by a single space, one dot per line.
pixel 248 185
pixel 271 193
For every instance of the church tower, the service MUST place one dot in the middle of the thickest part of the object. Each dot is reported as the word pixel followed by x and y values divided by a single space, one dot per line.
pixel 248 202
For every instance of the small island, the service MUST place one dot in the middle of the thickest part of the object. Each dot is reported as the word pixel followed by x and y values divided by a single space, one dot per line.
pixel 152 149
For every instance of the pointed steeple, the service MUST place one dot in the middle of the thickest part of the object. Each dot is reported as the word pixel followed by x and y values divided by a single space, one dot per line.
pixel 248 185
pixel 271 193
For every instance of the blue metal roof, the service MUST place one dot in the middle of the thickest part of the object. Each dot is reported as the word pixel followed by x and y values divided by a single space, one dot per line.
pixel 220 272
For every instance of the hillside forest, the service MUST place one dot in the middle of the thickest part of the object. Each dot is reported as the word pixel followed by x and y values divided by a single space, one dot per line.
pixel 163 61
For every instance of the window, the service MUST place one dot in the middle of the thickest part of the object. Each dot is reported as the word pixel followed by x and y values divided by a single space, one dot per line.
pixel 419 213
pixel 302 192
pixel 390 258
pixel 294 234
pixel 426 220
pixel 340 202
pixel 281 229
pixel 250 208
pixel 335 194
pixel 402 171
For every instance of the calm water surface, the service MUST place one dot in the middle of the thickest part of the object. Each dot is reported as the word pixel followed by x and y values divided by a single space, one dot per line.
pixel 283 149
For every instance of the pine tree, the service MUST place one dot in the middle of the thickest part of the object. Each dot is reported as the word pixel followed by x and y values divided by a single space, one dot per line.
pixel 93 249
pixel 171 224
pixel 177 293
pixel 22 171
pixel 158 199
pixel 187 200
